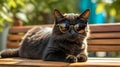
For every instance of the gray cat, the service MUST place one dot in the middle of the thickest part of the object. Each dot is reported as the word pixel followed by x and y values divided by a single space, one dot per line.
pixel 66 41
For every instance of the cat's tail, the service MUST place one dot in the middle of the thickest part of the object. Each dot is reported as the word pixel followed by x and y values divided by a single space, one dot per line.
pixel 9 53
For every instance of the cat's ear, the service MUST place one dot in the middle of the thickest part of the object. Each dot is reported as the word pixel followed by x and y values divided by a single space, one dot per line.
pixel 57 14
pixel 85 14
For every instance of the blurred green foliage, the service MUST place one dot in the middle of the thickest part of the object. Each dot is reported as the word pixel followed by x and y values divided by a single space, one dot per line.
pixel 33 12
pixel 116 5
pixel 113 8
pixel 40 11
pixel 7 9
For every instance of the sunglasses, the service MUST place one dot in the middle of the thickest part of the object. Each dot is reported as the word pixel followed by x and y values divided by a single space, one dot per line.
pixel 65 27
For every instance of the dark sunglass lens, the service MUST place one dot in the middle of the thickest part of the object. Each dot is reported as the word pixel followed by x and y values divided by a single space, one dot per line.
pixel 64 27
pixel 78 27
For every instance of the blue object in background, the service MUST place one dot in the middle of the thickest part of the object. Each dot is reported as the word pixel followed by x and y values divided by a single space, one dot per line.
pixel 95 17
pixel 100 18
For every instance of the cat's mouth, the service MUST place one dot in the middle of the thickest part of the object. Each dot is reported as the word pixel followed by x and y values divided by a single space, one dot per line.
pixel 72 38
pixel 75 38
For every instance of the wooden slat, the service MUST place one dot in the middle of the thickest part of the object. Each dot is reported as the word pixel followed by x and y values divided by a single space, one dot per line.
pixel 105 27
pixel 30 63
pixel 105 35
pixel 12 45
pixel 92 62
pixel 98 62
pixel 97 48
pixel 14 37
pixel 26 28
pixel 19 29
pixel 104 41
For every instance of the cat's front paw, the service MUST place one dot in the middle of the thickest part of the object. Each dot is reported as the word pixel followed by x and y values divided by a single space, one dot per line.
pixel 71 59
pixel 82 58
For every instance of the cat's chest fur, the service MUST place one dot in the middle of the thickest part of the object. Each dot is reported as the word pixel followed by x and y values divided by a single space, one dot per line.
pixel 67 47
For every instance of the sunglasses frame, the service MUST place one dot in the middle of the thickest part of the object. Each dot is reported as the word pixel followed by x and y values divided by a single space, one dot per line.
pixel 71 26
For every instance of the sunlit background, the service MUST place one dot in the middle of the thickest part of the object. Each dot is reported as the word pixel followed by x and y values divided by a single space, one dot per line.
pixel 40 11
pixel 36 12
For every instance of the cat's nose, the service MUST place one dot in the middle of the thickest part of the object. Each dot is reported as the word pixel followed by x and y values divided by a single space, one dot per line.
pixel 72 32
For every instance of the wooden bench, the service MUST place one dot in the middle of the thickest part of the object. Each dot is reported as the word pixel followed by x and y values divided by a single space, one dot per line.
pixel 104 37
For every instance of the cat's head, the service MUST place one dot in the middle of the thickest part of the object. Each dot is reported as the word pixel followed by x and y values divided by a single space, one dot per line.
pixel 71 26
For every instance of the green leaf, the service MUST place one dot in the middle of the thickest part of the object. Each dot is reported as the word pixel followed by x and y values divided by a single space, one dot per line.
pixel 5 17
pixel 12 4
pixel 20 2
pixel 8 19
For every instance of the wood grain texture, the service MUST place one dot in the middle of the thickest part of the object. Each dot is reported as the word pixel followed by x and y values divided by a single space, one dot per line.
pixel 104 41
pixel 32 63
pixel 102 35
pixel 18 29
pixel 105 27
pixel 92 62
pixel 104 48
pixel 13 44
pixel 14 37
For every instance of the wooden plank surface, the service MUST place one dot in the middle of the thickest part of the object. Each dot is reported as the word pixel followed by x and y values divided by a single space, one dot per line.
pixel 19 29
pixel 26 28
pixel 99 62
pixel 111 35
pixel 104 48
pixel 104 41
pixel 32 63
pixel 13 44
pixel 14 37
pixel 92 62
pixel 105 27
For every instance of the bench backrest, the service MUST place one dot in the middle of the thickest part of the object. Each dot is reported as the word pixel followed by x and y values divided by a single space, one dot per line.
pixel 104 37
